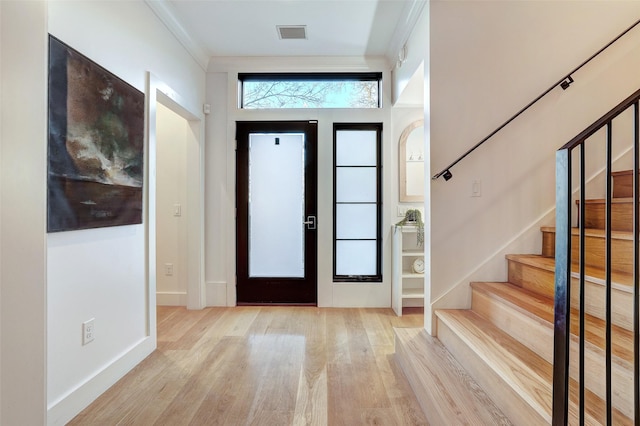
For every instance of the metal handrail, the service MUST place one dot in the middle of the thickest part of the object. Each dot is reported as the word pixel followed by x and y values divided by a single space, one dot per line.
pixel 564 82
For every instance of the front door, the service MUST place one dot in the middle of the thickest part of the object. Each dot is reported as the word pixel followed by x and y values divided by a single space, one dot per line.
pixel 276 224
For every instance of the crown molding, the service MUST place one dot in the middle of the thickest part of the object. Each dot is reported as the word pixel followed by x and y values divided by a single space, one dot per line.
pixel 410 15
pixel 164 12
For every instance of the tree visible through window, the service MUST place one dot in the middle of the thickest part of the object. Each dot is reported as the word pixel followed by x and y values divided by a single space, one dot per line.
pixel 264 91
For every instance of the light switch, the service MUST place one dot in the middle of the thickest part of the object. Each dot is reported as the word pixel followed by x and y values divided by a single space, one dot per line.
pixel 177 210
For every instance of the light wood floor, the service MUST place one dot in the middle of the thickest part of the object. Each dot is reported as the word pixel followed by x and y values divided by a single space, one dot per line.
pixel 266 366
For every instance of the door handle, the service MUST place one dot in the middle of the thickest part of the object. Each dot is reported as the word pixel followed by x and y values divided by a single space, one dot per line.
pixel 310 222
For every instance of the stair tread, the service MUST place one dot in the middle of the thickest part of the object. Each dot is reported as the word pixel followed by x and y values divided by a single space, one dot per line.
pixel 618 200
pixel 527 301
pixel 541 307
pixel 594 232
pixel 525 371
pixel 445 388
pixel 622 173
pixel 625 281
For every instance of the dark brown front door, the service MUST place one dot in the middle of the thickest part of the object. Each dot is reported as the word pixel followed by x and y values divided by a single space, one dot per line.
pixel 276 180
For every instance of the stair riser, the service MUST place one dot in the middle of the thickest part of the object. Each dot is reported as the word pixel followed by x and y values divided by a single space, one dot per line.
pixel 512 404
pixel 535 334
pixel 621 303
pixel 531 331
pixel 621 377
pixel 621 216
pixel 531 278
pixel 622 185
pixel 621 251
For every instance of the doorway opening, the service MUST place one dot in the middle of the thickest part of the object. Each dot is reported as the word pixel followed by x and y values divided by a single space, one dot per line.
pixel 175 225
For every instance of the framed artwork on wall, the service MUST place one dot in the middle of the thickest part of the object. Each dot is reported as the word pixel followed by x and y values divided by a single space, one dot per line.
pixel 95 147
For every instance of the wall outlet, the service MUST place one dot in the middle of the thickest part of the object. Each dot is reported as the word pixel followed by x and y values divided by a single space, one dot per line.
pixel 88 331
pixel 168 269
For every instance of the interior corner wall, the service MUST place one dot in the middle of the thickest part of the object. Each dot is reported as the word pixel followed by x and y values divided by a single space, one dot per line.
pixel 416 47
pixel 102 273
pixel 220 201
pixel 22 210
pixel 489 59
pixel 171 194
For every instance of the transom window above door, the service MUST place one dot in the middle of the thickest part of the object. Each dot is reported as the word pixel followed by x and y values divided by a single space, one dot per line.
pixel 309 90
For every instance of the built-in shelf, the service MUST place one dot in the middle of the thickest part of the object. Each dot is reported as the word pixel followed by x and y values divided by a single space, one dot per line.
pixel 413 293
pixel 412 275
pixel 407 285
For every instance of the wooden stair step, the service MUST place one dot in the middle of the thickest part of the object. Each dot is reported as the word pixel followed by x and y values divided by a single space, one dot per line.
pixel 621 247
pixel 537 273
pixel 540 308
pixel 621 214
pixel 592 272
pixel 516 378
pixel 446 392
pixel 528 317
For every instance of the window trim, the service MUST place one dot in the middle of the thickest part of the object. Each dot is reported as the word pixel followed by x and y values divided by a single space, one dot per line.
pixel 377 278
pixel 308 76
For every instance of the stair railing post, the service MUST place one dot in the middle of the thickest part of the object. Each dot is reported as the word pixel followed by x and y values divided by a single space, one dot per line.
pixel 562 288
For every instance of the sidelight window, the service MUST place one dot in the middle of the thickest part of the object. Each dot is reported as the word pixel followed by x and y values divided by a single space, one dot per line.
pixel 357 194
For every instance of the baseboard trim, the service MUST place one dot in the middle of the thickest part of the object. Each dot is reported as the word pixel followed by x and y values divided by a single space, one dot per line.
pixel 171 298
pixel 66 408
pixel 216 293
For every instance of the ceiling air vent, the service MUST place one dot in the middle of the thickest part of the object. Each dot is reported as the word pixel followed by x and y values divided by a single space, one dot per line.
pixel 292 32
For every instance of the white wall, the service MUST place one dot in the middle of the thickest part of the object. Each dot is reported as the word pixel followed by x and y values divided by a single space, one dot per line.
pixel 102 273
pixel 171 179
pixel 488 60
pixel 22 200
pixel 220 225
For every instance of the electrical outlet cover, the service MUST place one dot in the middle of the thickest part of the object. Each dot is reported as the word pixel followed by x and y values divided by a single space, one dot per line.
pixel 88 331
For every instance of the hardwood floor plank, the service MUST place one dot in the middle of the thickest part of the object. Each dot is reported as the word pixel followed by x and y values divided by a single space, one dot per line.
pixel 311 401
pixel 265 366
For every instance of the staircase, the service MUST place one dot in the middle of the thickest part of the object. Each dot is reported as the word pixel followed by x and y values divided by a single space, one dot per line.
pixel 505 341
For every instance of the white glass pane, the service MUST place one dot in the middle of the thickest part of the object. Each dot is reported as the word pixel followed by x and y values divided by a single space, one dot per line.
pixel 276 205
pixel 356 184
pixel 355 258
pixel 356 147
pixel 356 221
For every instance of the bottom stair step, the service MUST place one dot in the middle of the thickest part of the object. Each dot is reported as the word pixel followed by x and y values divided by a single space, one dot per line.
pixel 447 394
pixel 516 378
pixel 511 374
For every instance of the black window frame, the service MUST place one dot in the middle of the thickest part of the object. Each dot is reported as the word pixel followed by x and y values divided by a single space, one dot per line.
pixel 308 76
pixel 377 278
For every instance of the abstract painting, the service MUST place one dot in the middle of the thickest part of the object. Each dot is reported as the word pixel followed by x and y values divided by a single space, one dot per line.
pixel 96 145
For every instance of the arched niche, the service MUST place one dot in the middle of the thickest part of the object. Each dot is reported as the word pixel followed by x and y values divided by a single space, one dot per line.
pixel 411 163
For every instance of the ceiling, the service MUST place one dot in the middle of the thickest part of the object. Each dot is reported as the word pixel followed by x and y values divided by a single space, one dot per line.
pixel 247 28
